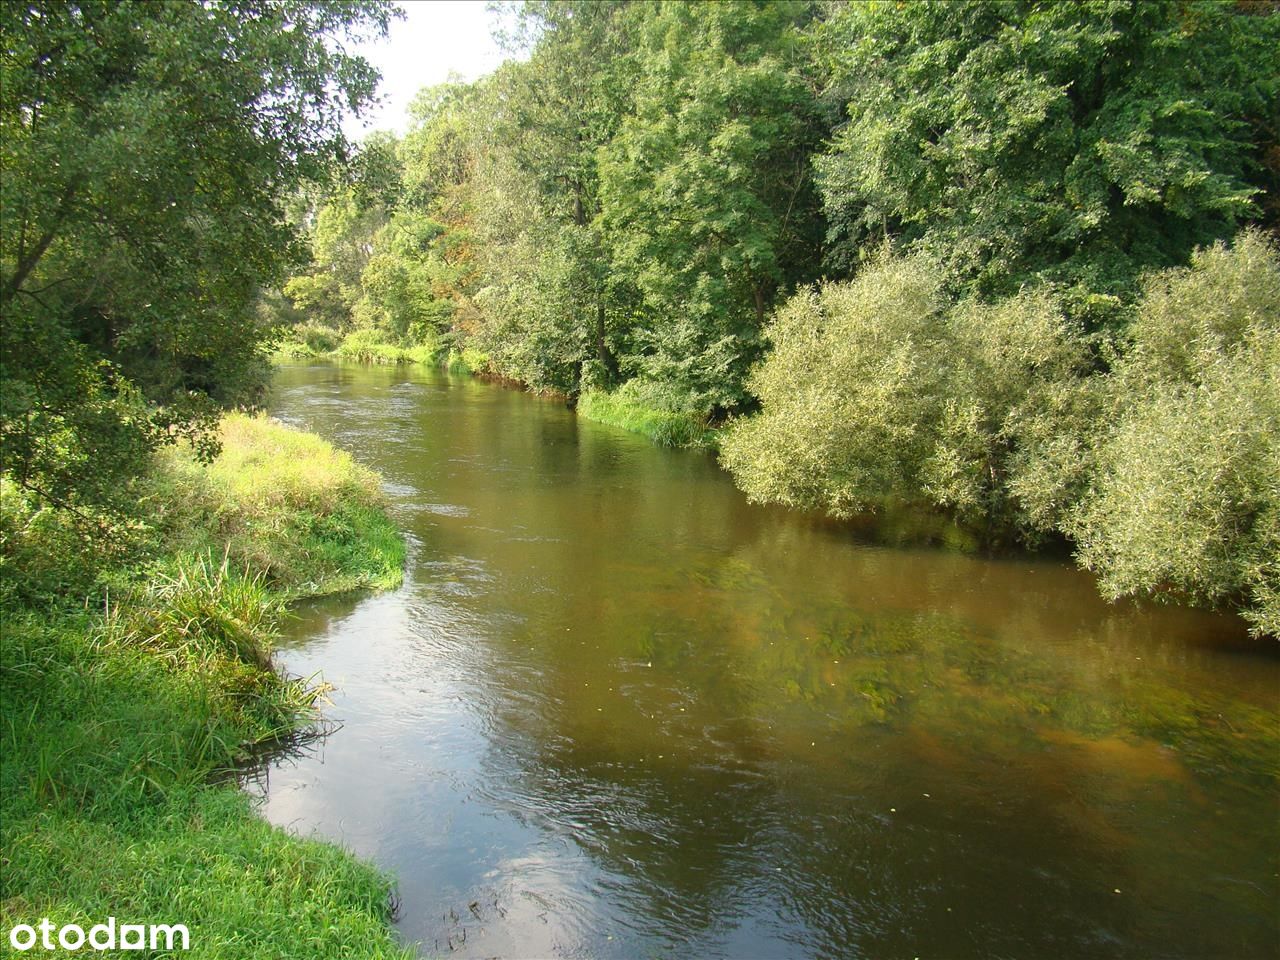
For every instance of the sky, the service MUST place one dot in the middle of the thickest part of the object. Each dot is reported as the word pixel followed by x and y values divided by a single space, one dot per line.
pixel 435 38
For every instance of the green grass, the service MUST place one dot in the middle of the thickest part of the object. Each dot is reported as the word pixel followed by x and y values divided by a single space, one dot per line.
pixel 371 346
pixel 664 427
pixel 359 346
pixel 204 858
pixel 368 346
pixel 282 503
pixel 467 360
pixel 136 678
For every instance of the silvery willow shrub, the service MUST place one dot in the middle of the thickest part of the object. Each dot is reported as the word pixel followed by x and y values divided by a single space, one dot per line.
pixel 878 391
pixel 1186 499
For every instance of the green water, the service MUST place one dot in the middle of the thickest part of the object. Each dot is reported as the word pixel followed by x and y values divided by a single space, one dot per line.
pixel 616 711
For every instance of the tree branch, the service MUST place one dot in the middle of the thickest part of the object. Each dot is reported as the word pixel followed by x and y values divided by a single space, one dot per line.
pixel 28 262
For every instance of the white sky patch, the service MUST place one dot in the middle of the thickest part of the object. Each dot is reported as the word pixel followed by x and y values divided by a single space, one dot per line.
pixel 436 38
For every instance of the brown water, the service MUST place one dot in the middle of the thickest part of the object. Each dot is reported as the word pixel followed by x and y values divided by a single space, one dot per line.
pixel 616 711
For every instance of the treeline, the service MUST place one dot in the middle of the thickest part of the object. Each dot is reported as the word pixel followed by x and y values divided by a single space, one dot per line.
pixel 938 255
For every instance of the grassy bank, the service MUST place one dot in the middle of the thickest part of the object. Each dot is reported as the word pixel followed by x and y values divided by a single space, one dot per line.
pixel 137 678
pixel 359 346
pixel 666 428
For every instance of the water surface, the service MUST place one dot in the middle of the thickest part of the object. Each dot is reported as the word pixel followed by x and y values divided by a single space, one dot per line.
pixel 616 711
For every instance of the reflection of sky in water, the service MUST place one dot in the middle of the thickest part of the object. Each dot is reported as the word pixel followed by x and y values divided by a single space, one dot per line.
pixel 615 711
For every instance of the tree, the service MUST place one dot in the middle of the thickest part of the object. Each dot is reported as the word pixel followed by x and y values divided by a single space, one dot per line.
pixel 1079 143
pixel 554 304
pixel 879 392
pixel 148 151
pixel 705 189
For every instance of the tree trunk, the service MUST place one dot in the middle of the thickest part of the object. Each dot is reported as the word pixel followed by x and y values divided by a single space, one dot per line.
pixel 602 351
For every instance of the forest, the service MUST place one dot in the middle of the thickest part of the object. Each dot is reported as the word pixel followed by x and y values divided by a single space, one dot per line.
pixel 1013 262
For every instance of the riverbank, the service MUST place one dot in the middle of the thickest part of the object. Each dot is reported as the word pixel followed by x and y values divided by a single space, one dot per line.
pixel 624 407
pixel 137 679
pixel 313 342
pixel 667 428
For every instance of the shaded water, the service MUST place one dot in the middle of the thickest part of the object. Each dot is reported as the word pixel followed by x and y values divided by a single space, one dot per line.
pixel 615 711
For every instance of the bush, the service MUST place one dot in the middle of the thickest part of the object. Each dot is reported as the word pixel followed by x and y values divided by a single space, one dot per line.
pixel 848 395
pixel 877 394
pixel 468 360
pixel 1186 500
pixel 318 339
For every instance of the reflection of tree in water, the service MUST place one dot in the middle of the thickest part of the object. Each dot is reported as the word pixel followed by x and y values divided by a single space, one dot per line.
pixel 1078 767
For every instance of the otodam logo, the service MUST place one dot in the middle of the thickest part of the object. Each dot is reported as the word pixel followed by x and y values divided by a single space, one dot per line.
pixel 101 936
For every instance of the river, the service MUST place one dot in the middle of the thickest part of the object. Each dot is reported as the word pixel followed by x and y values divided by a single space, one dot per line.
pixel 617 711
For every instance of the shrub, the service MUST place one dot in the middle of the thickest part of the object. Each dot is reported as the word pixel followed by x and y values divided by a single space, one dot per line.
pixel 317 338
pixel 848 396
pixel 1186 500
pixel 877 393
pixel 467 360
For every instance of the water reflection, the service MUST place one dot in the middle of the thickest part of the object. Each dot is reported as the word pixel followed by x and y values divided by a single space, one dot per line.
pixel 615 711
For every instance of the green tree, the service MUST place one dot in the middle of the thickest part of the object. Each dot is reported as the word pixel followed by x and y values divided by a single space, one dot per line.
pixel 1080 143
pixel 706 195
pixel 148 151
pixel 553 303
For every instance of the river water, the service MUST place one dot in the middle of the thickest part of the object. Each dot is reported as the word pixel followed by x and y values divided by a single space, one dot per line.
pixel 616 711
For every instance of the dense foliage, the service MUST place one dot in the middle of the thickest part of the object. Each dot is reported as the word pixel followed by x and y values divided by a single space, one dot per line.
pixel 1186 495
pixel 1165 471
pixel 1003 260
pixel 148 153
pixel 1078 143
pixel 879 391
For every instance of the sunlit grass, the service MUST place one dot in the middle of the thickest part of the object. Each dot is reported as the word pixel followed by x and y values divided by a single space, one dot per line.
pixel 663 427
pixel 359 346
pixel 135 674
pixel 284 504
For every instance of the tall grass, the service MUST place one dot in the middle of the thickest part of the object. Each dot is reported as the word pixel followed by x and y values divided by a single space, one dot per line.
pixel 667 428
pixel 371 346
pixel 137 674
pixel 282 503
pixel 201 612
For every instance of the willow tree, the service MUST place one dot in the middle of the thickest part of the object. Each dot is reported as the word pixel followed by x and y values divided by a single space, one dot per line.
pixel 147 151
pixel 1185 501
